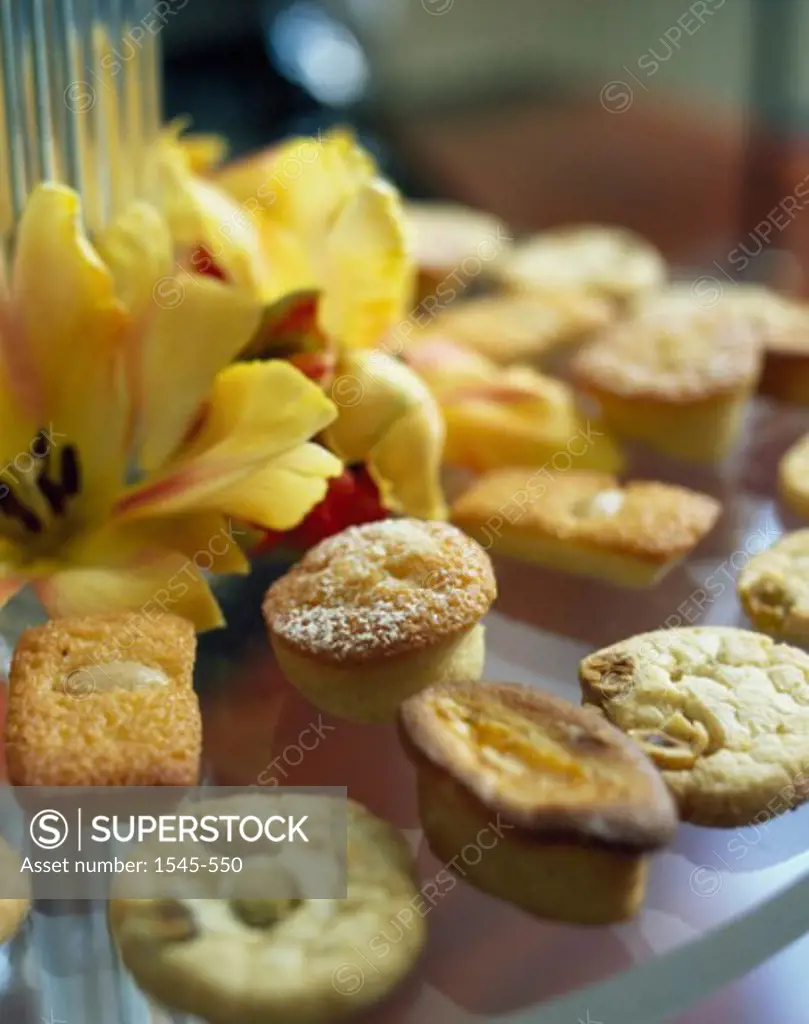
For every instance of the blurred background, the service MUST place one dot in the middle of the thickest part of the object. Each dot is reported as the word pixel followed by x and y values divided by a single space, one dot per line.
pixel 681 121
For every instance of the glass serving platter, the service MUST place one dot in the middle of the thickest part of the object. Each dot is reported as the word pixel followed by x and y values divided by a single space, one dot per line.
pixel 719 902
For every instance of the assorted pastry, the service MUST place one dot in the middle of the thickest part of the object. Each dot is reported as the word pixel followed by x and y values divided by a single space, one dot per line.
pixel 104 701
pixel 722 712
pixel 677 380
pixel 773 588
pixel 453 246
pixel 288 959
pixel 510 416
pixel 599 260
pixel 520 328
pixel 374 614
pixel 586 523
pixel 383 621
pixel 569 806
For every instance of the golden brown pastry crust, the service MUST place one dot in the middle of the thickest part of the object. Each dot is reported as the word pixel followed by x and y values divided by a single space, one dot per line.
pixel 597 259
pixel 443 235
pixel 677 358
pixel 793 477
pixel 60 732
pixel 654 522
pixel 774 588
pixel 381 590
pixel 723 712
pixel 514 328
pixel 579 780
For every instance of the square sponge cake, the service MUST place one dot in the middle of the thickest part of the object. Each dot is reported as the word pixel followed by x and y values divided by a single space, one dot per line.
pixel 104 700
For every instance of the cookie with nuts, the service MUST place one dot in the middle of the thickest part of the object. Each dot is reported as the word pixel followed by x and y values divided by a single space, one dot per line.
pixel 774 588
pixel 722 712
pixel 287 960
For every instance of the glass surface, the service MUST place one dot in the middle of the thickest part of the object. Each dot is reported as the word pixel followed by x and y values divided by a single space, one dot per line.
pixel 486 959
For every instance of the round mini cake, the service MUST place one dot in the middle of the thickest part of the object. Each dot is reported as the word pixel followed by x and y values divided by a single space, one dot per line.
pixel 678 380
pixel 376 613
pixel 596 259
pixel 453 245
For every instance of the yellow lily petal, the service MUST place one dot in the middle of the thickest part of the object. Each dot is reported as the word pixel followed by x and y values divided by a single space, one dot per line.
pixel 257 412
pixel 250 179
pixel 369 276
pixel 312 179
pixel 199 325
pixel 280 496
pixel 199 214
pixel 167 585
pixel 388 418
pixel 290 265
pixel 204 152
pixel 208 539
pixel 138 250
pixel 66 350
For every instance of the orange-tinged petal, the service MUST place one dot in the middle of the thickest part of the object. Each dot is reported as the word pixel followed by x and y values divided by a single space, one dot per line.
pixel 390 420
pixel 406 464
pixel 311 180
pixel 369 275
pixel 204 152
pixel 257 412
pixel 208 539
pixel 192 338
pixel 290 263
pixel 200 214
pixel 250 178
pixel 280 496
pixel 165 585
pixel 137 248
pixel 65 349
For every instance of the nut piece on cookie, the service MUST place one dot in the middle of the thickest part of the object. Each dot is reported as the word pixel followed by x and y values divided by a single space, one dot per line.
pixel 570 807
pixel 451 239
pixel 724 713
pixel 377 612
pixel 104 700
pixel 586 523
pixel 522 328
pixel 604 261
pixel 774 588
pixel 678 380
pixel 282 961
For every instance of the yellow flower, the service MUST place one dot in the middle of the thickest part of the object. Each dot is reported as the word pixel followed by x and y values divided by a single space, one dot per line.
pixel 333 229
pixel 509 417
pixel 113 358
pixel 389 420
pixel 209 228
